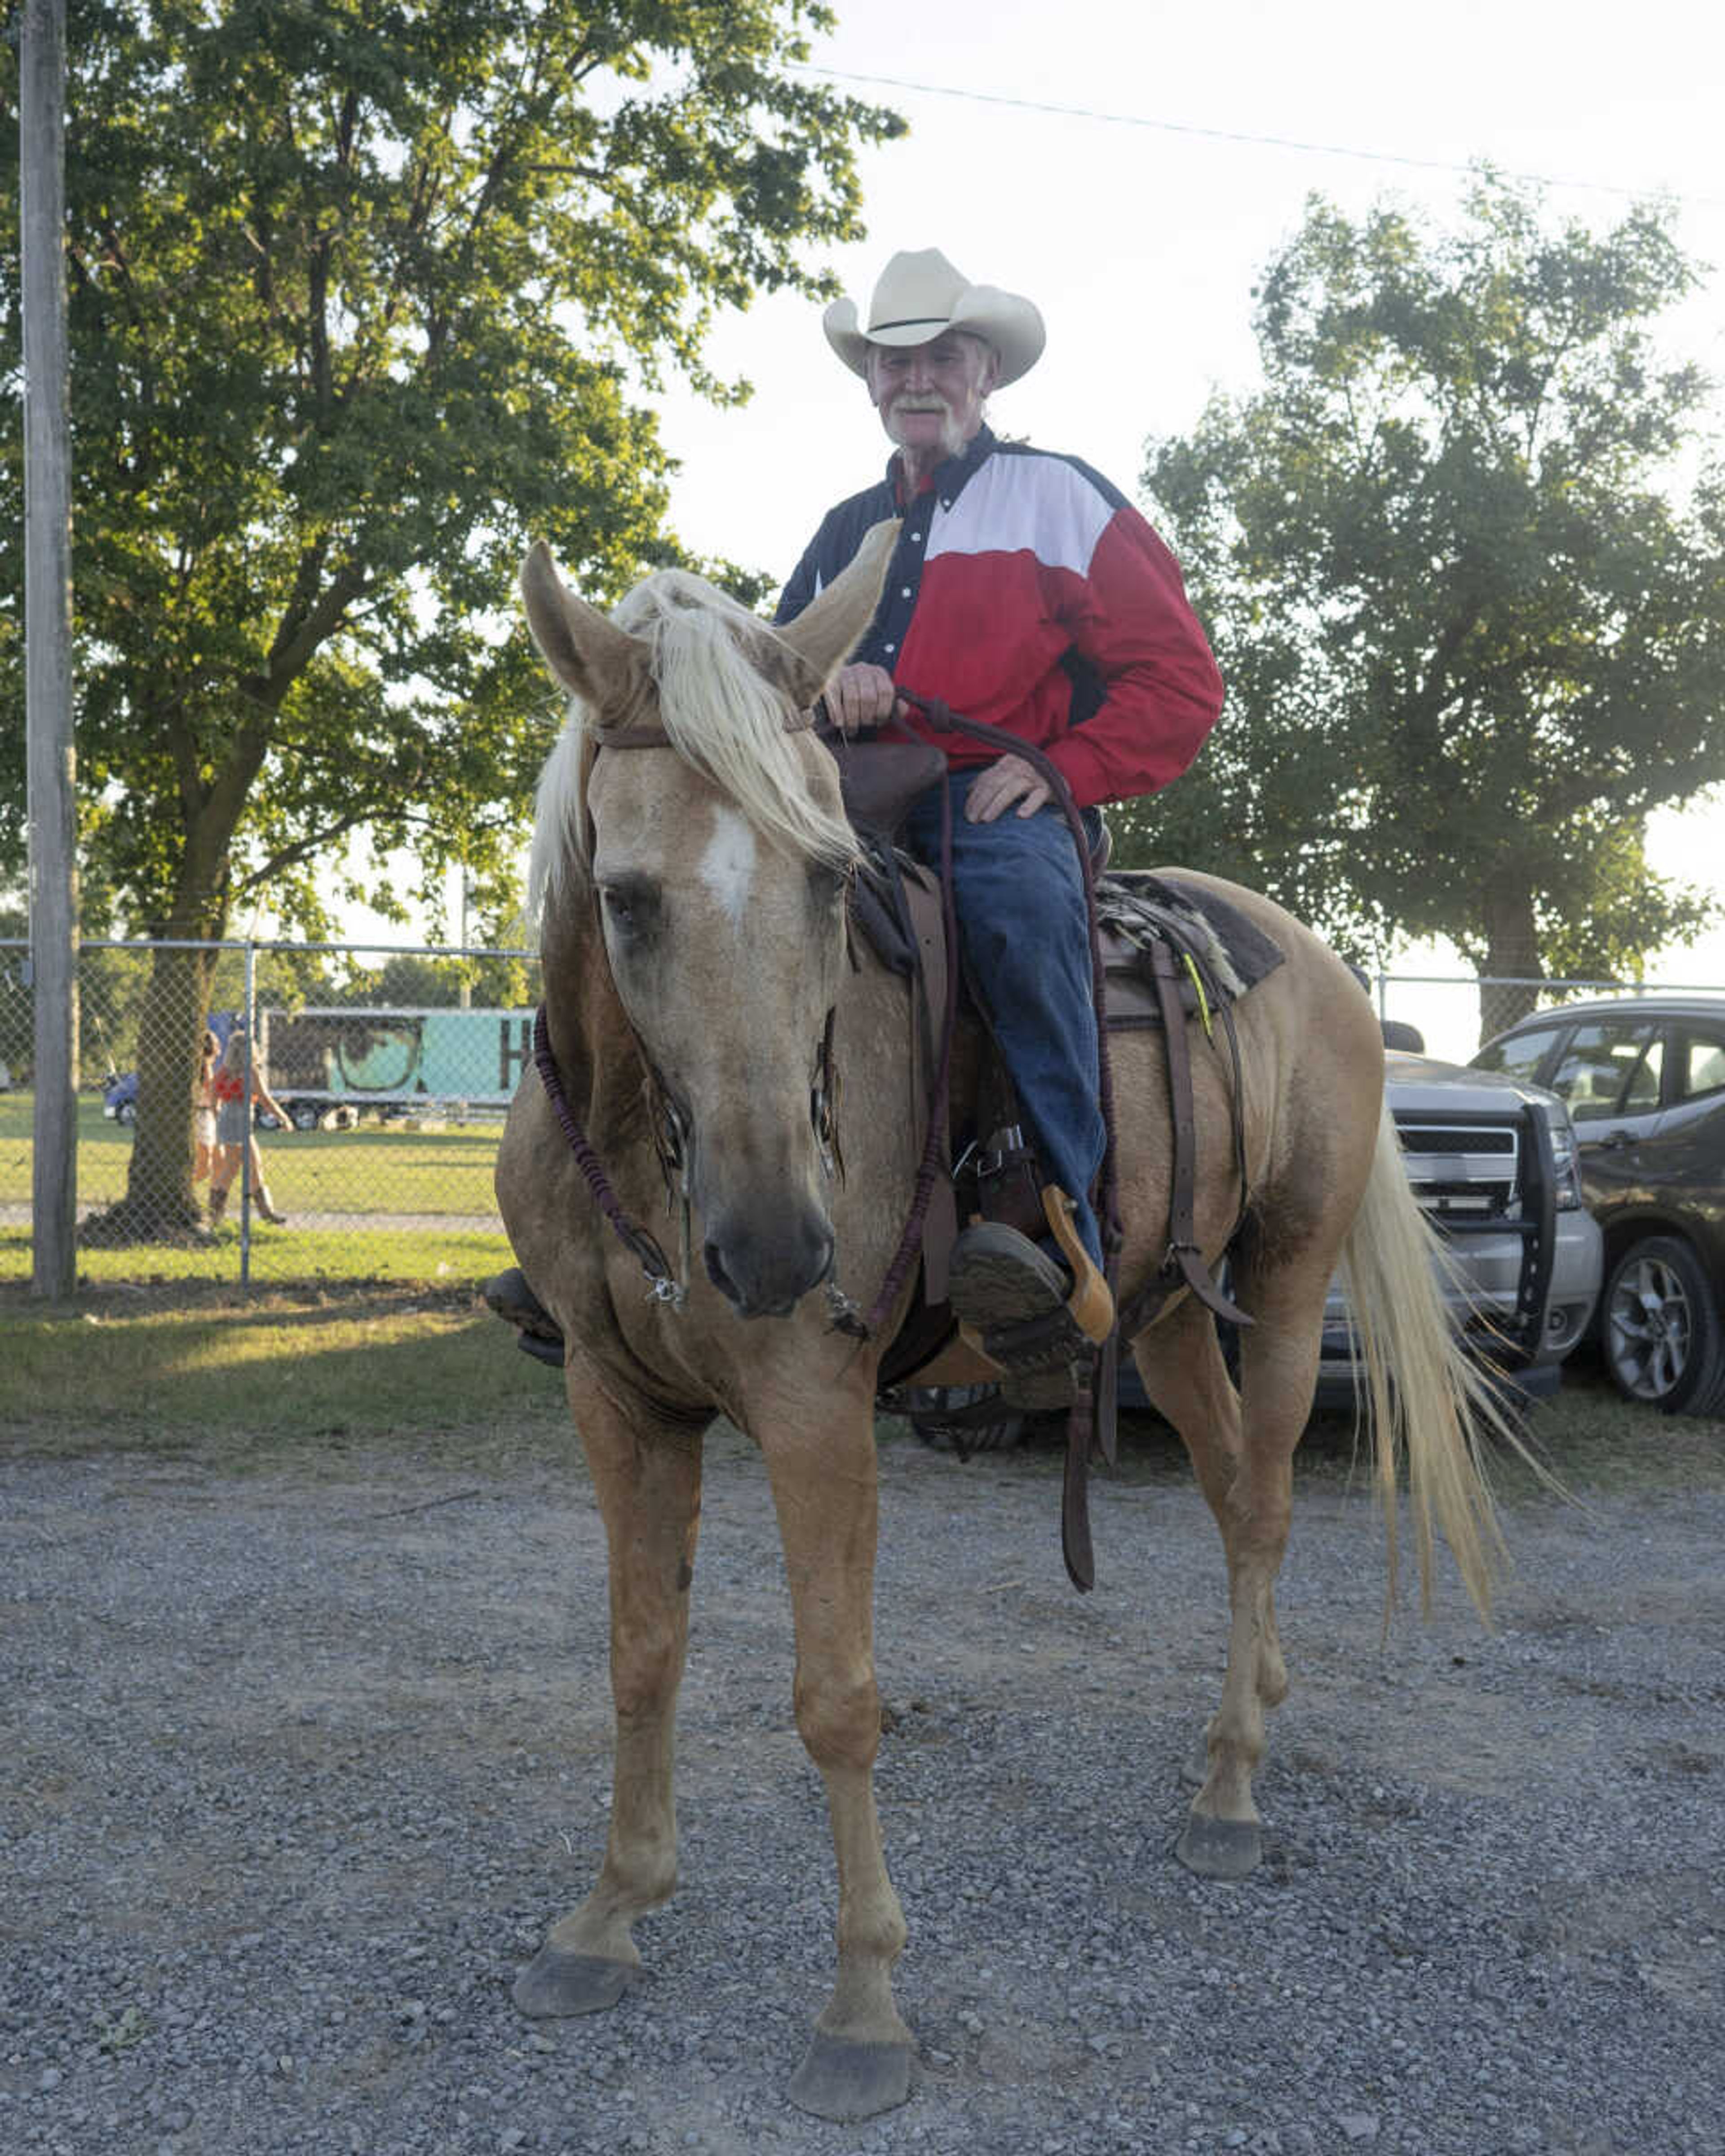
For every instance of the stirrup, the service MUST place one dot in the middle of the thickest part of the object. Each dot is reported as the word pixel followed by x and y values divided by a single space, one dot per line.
pixel 1038 1324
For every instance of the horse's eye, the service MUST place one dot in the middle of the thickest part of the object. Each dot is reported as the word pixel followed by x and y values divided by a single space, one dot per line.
pixel 629 906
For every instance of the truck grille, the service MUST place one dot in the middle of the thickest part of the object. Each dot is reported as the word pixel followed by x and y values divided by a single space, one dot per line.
pixel 1463 1171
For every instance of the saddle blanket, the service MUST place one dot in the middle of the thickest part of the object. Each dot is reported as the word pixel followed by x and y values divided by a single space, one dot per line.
pixel 1138 907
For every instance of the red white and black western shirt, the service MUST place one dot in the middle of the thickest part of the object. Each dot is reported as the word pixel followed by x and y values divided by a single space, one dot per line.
pixel 1026 590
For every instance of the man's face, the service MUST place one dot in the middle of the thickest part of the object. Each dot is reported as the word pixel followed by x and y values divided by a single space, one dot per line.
pixel 930 396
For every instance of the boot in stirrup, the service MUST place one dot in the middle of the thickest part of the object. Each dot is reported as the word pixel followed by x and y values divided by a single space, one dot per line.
pixel 1038 1320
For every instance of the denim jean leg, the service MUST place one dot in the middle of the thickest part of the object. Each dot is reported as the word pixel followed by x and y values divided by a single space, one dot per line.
pixel 1020 902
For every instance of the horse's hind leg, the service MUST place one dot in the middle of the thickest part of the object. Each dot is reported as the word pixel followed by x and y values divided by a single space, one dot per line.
pixel 647 1477
pixel 1243 1466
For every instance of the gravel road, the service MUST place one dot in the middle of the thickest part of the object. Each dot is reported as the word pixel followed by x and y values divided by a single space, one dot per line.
pixel 298 1765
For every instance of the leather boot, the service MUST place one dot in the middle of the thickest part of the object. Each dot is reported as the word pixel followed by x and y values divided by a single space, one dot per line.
pixel 537 1332
pixel 266 1207
pixel 218 1207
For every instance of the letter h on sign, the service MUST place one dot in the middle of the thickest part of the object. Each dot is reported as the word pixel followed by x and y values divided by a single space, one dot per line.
pixel 515 1046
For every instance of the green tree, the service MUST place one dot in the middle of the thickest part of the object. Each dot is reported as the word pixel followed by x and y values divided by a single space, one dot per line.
pixel 1473 629
pixel 361 293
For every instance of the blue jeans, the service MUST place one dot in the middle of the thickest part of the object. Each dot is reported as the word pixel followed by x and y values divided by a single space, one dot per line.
pixel 1020 903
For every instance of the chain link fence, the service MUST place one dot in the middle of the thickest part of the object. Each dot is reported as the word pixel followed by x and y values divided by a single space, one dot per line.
pixel 267 1114
pixel 376 1080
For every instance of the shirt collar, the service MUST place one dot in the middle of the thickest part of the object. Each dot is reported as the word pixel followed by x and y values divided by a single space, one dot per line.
pixel 951 478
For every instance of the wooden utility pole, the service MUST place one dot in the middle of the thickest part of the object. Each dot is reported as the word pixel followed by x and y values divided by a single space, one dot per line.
pixel 48 646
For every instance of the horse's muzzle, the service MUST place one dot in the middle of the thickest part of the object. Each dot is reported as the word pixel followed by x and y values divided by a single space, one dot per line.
pixel 764 1263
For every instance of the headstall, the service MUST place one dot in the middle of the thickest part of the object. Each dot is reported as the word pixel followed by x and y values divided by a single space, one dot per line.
pixel 671 1133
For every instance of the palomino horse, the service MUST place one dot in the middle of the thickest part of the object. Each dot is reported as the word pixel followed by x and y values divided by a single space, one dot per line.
pixel 696 966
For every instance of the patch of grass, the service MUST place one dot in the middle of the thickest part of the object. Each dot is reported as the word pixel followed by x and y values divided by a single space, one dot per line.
pixel 178 1367
pixel 368 1169
pixel 1596 1439
pixel 280 1257
pixel 1590 1436
pixel 272 1381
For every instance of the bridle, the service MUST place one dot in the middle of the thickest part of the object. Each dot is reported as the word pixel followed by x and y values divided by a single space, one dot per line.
pixel 672 1130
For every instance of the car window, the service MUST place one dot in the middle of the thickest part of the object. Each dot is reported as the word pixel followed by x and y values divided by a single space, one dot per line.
pixel 1518 1054
pixel 1700 1066
pixel 1599 1065
pixel 1642 1091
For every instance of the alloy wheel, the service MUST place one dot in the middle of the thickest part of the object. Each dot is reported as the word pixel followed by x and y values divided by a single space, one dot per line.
pixel 1650 1329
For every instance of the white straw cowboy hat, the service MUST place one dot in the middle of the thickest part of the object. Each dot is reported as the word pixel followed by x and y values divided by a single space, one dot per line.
pixel 919 296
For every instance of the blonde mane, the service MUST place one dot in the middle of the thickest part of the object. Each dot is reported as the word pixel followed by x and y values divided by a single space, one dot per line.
pixel 722 716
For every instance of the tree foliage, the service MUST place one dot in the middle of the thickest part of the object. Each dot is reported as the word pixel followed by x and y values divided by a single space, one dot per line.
pixel 1473 632
pixel 362 292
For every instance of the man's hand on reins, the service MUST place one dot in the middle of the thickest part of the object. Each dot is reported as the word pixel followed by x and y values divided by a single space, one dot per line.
pixel 859 696
pixel 1000 786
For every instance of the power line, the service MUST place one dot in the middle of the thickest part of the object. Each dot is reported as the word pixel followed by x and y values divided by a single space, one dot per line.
pixel 1227 134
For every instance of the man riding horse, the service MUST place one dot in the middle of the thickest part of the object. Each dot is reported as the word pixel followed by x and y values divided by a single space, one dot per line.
pixel 1026 591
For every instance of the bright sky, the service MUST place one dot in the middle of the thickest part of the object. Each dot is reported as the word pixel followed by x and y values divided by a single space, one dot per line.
pixel 1140 243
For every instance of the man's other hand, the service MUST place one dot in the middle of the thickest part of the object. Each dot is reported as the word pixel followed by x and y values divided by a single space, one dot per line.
pixel 1000 786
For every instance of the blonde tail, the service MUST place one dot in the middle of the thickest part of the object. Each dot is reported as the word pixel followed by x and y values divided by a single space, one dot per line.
pixel 1428 1404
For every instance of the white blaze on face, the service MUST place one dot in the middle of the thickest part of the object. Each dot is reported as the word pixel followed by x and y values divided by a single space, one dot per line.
pixel 727 867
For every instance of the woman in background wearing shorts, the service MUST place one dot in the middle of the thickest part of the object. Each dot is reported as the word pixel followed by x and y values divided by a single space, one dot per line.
pixel 234 1130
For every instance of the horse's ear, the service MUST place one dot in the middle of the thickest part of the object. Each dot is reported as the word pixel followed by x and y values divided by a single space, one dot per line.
pixel 830 626
pixel 600 662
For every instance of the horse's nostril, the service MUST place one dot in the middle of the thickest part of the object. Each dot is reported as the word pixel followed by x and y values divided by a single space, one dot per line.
pixel 765 1274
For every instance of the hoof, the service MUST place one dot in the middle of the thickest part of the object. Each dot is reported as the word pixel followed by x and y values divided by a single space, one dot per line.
pixel 557 1982
pixel 845 2082
pixel 1220 1848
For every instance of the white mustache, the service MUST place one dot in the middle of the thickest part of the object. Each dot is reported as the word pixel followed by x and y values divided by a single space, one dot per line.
pixel 921 404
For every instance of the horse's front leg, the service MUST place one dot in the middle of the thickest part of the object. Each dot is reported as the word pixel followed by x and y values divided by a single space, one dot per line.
pixel 646 1474
pixel 819 1448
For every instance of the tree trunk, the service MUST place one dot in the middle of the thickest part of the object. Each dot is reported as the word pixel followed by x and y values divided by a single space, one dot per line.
pixel 159 1205
pixel 1512 954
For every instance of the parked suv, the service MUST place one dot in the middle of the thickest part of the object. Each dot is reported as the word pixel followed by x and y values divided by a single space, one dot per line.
pixel 1643 1078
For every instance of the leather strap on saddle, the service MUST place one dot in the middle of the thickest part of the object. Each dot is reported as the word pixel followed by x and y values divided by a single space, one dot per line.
pixel 1183 1259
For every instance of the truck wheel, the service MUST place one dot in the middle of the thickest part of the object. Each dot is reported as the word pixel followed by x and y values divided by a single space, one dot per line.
pixel 1663 1336
pixel 964 1418
pixel 302 1115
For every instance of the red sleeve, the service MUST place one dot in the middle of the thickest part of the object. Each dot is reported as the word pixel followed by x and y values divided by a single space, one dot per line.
pixel 1130 618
